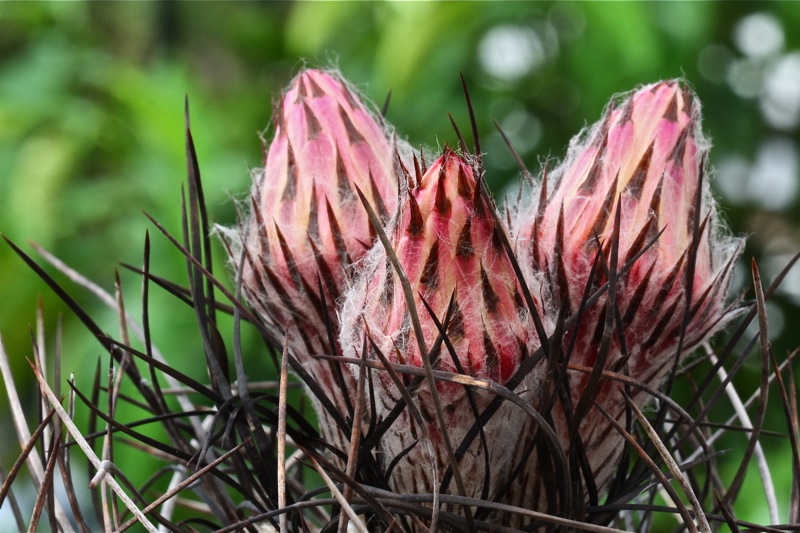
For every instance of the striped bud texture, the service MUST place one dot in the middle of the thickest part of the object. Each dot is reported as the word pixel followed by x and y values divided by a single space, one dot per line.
pixel 307 224
pixel 621 250
pixel 643 164
pixel 450 250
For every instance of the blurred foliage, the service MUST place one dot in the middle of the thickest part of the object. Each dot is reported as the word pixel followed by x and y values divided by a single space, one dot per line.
pixel 91 118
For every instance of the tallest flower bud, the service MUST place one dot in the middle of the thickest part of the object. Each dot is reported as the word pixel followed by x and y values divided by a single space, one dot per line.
pixel 325 143
pixel 307 224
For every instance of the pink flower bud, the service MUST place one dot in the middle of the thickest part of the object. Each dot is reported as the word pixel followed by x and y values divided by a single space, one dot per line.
pixel 307 224
pixel 450 250
pixel 646 157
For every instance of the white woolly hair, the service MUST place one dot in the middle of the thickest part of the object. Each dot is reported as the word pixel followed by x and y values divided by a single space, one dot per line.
pixel 723 244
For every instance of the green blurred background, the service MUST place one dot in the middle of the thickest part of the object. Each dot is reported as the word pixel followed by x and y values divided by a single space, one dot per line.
pixel 91 116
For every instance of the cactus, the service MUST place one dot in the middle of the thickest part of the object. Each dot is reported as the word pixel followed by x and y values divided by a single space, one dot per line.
pixel 469 370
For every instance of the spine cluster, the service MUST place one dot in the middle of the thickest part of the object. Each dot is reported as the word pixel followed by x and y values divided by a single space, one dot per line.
pixel 619 266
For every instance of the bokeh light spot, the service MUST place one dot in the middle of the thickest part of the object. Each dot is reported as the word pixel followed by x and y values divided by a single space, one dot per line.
pixel 758 35
pixel 510 52
pixel 714 61
pixel 732 174
pixel 773 178
pixel 744 77
pixel 780 98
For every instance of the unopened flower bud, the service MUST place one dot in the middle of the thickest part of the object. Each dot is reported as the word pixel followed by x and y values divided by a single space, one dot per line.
pixel 644 163
pixel 307 224
pixel 451 252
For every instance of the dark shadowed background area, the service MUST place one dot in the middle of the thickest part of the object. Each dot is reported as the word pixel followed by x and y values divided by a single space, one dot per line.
pixel 91 128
